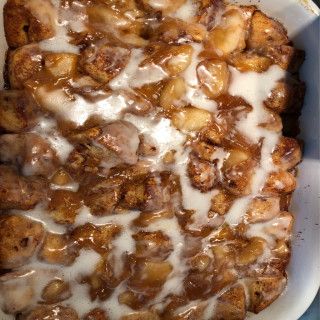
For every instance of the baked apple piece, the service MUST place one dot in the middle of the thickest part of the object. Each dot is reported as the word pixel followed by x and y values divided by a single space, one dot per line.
pixel 58 249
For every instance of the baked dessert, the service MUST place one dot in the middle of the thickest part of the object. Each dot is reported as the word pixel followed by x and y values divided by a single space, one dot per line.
pixel 147 159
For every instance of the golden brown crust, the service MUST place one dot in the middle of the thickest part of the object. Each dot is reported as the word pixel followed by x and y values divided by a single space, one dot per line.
pixel 22 26
pixel 237 172
pixel 279 182
pixel 102 195
pixel 96 314
pixel 141 315
pixel 58 249
pixel 95 237
pixel 209 12
pixel 250 61
pixel 18 192
pixel 173 30
pixel 19 239
pixel 264 291
pixel 55 291
pixel 231 305
pixel 32 154
pixel 287 57
pixel 16 111
pixel 64 206
pixel 287 96
pixel 23 63
pixel 266 32
pixel 104 62
pixel 52 313
pixel 222 202
pixel 202 174
pixel 263 209
pixel 152 244
pixel 287 153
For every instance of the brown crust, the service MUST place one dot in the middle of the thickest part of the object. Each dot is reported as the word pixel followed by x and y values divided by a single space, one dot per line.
pixel 18 192
pixel 19 239
pixel 21 27
pixel 266 32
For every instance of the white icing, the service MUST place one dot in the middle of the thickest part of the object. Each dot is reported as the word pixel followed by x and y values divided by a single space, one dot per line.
pixel 85 216
pixel 124 242
pixel 194 94
pixel 75 15
pixel 80 300
pixel 79 110
pixel 123 137
pixel 238 210
pixel 210 308
pixel 168 138
pixel 124 78
pixel 174 283
pixel 72 186
pixel 84 264
pixel 162 134
pixel 43 10
pixel 197 98
pixel 60 42
pixel 136 76
pixel 219 155
pixel 187 11
pixel 158 4
pixel 15 292
pixel 192 198
pixel 255 88
pixel 266 255
pixel 114 308
pixel 190 74
pixel 47 129
pixel 277 228
pixel 41 214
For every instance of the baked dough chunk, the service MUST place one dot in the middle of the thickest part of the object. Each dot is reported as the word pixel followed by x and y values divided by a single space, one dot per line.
pixel 23 63
pixel 103 62
pixel 264 290
pixel 17 111
pixel 231 304
pixel 31 153
pixel 19 238
pixel 18 192
pixel 266 32
pixel 22 23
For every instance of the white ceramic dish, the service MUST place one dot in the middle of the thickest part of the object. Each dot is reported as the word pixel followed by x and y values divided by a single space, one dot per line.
pixel 302 20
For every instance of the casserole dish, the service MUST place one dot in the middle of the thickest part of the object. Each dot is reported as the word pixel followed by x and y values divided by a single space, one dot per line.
pixel 305 221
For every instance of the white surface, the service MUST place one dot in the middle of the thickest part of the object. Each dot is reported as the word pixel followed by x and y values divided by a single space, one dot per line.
pixel 302 21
